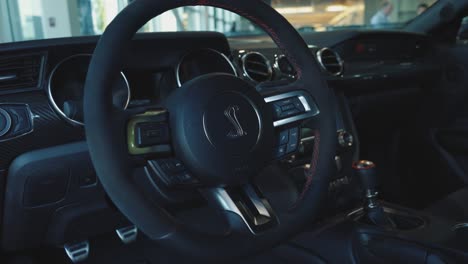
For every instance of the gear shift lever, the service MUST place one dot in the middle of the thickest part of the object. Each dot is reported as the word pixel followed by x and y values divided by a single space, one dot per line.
pixel 366 171
pixel 368 175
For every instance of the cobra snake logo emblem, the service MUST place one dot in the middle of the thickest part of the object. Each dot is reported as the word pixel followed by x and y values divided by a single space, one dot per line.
pixel 231 115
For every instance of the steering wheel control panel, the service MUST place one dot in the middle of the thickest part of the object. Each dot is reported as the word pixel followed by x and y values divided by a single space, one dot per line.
pixel 172 172
pixel 15 120
pixel 287 142
pixel 292 107
pixel 151 133
pixel 288 107
pixel 148 132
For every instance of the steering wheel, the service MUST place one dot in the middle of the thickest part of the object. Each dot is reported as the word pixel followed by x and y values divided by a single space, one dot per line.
pixel 223 132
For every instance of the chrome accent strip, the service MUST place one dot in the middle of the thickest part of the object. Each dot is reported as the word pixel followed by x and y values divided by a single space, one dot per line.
pixel 223 199
pixel 338 58
pixel 267 63
pixel 179 84
pixel 257 202
pixel 51 98
pixel 310 111
pixel 459 226
pixel 10 77
pixel 284 96
pixel 307 139
pixel 355 211
pixel 292 119
pixel 304 103
pixel 221 196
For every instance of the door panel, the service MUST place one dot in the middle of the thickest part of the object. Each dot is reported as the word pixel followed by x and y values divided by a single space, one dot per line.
pixel 447 116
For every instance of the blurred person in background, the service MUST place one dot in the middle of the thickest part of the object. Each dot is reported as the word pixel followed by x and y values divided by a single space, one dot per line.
pixel 422 8
pixel 381 17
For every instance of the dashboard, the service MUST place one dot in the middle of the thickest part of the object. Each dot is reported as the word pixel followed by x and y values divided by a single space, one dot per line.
pixel 361 57
pixel 41 109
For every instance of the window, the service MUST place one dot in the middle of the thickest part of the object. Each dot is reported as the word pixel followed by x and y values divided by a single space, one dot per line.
pixel 39 19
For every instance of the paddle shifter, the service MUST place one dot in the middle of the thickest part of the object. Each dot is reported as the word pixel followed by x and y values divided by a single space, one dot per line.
pixel 375 213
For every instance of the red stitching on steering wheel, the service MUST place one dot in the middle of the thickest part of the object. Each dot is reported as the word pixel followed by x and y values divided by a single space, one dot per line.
pixel 262 24
pixel 310 173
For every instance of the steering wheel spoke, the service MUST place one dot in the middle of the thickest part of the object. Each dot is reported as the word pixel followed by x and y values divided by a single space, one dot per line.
pixel 166 182
pixel 162 175
pixel 247 204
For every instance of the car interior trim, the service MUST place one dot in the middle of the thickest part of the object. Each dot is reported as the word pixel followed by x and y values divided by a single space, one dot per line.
pixel 267 63
pixel 51 96
pixel 179 82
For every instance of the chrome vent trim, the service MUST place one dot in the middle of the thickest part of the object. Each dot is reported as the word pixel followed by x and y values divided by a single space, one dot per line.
pixel 330 61
pixel 21 72
pixel 256 67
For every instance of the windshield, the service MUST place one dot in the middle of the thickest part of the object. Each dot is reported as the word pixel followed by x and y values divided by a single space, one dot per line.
pixel 41 19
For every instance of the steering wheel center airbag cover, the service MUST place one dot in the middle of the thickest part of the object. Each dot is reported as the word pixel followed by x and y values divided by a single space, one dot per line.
pixel 222 123
pixel 232 123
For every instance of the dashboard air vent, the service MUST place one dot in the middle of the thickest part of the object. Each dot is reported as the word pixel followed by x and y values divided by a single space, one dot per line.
pixel 256 67
pixel 20 72
pixel 330 61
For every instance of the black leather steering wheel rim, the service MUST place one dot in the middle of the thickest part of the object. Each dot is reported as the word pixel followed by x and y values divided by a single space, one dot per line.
pixel 106 135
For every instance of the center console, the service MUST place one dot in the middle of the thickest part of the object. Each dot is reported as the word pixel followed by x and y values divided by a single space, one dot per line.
pixel 391 233
pixel 418 237
pixel 365 229
pixel 381 232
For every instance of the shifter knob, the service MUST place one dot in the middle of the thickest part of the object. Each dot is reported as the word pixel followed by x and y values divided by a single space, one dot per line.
pixel 374 211
pixel 367 173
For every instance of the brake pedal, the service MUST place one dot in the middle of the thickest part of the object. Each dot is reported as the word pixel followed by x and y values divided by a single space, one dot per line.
pixel 77 252
pixel 127 234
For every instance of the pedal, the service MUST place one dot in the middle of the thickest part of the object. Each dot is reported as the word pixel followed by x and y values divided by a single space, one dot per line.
pixel 77 251
pixel 127 234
